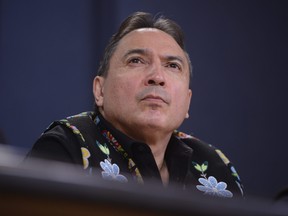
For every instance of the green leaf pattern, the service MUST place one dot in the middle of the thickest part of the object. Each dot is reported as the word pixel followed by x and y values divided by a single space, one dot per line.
pixel 103 148
pixel 201 168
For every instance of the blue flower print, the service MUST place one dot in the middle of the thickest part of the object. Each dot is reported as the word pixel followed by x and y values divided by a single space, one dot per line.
pixel 212 187
pixel 111 171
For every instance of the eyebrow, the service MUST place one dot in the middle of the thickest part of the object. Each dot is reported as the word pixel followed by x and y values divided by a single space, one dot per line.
pixel 146 52
pixel 135 51
pixel 173 58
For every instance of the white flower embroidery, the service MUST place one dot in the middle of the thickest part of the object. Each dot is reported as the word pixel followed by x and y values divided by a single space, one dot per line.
pixel 111 171
pixel 212 187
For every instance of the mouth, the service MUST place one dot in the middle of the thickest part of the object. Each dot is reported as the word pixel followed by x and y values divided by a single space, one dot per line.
pixel 154 95
pixel 154 98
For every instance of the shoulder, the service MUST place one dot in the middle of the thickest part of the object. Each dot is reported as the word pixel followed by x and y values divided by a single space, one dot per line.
pixel 62 140
pixel 201 148
pixel 196 144
pixel 57 144
pixel 209 160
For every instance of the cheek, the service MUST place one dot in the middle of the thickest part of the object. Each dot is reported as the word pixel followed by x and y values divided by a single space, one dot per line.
pixel 120 91
pixel 181 99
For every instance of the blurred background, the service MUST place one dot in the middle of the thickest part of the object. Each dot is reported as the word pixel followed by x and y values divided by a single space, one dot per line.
pixel 50 51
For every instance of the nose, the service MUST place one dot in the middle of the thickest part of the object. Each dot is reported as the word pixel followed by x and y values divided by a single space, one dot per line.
pixel 156 76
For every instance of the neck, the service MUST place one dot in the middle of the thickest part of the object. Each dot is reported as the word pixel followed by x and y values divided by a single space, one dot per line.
pixel 156 138
pixel 158 145
pixel 158 142
pixel 158 150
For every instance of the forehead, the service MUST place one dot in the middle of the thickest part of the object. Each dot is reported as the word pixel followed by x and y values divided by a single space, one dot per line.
pixel 150 38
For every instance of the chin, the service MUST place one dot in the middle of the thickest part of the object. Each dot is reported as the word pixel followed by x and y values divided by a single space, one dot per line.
pixel 156 120
pixel 155 123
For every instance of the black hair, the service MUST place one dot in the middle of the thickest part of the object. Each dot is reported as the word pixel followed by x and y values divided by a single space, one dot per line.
pixel 141 20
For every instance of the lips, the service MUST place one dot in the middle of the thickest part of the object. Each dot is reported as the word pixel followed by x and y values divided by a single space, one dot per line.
pixel 154 98
pixel 154 94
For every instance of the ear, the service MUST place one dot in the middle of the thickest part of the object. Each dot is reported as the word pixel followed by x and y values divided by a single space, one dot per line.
pixel 189 96
pixel 98 90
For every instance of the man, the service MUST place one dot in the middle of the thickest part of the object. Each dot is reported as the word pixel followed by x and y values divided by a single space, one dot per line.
pixel 142 96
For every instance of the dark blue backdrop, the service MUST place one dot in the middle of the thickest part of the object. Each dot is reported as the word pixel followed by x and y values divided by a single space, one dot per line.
pixel 50 52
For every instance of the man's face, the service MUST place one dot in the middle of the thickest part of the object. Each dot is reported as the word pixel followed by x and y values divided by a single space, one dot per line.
pixel 147 85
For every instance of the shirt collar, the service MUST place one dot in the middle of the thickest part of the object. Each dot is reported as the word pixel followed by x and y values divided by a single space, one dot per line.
pixel 176 147
pixel 125 141
pixel 177 157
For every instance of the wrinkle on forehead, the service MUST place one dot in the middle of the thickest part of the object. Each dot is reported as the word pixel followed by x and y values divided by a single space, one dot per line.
pixel 151 38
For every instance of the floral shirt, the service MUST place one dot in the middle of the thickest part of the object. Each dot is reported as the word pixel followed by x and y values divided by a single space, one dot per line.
pixel 102 150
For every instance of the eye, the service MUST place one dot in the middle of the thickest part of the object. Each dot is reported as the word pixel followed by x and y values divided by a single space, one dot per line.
pixel 135 60
pixel 174 65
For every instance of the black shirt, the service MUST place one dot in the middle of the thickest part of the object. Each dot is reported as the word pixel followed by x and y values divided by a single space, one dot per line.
pixel 92 142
